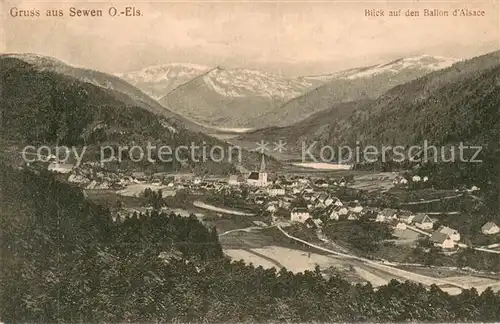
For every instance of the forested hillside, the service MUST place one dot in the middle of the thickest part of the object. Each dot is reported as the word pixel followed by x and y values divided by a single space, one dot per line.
pixel 313 128
pixel 460 103
pixel 355 84
pixel 457 104
pixel 114 84
pixel 64 260
pixel 45 107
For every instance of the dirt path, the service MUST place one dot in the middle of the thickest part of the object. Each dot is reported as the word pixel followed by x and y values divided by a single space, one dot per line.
pixel 425 280
pixel 265 257
pixel 203 205
pixel 431 200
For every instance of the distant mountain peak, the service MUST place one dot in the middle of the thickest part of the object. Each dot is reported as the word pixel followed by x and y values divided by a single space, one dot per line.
pixel 424 62
pixel 36 59
pixel 242 82
pixel 167 66
pixel 158 80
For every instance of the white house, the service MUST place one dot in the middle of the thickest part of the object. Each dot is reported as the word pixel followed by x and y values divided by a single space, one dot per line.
pixel 422 221
pixel 271 207
pixel 299 214
pixel 337 202
pixel 285 202
pixel 74 178
pixel 341 210
pixel 333 215
pixel 329 200
pixel 407 218
pixel 259 200
pixel 416 178
pixel 276 190
pixel 318 222
pixel 307 196
pixel 452 233
pixel 425 179
pixel 233 180
pixel 308 188
pixel 51 157
pixel 399 180
pixel 355 207
pixel 401 226
pixel 386 215
pixel 303 181
pixel 352 216
pixel 323 201
pixel 490 228
pixel 442 240
pixel 337 211
pixel 60 167
pixel 474 188
pixel 321 183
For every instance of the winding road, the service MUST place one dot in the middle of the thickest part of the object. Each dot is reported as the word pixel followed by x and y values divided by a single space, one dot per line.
pixel 203 205
pixel 432 200
pixel 411 276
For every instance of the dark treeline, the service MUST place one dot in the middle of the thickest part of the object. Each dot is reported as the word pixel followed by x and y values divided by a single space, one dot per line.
pixel 64 260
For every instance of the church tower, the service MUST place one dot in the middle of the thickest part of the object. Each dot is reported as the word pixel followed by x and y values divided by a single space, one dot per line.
pixel 262 172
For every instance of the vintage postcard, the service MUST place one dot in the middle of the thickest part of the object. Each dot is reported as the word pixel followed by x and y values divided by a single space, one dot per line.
pixel 249 161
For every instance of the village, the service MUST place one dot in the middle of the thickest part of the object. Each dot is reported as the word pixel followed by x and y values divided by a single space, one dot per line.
pixel 365 226
pixel 309 200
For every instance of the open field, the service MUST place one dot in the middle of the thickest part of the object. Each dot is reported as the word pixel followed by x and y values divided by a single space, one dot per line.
pixel 135 190
pixel 299 261
pixel 257 238
pixel 292 259
pixel 422 194
pixel 406 235
pixel 224 224
pixel 447 272
pixel 203 205
pixel 376 281
pixel 249 257
pixel 323 166
pixel 245 240
pixel 472 281
pixel 110 197
pixel 381 181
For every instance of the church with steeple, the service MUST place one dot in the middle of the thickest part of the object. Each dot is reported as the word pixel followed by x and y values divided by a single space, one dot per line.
pixel 259 178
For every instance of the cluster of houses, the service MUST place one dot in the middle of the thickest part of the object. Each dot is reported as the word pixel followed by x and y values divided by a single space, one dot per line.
pixel 401 181
pixel 283 193
pixel 317 204
pixel 445 237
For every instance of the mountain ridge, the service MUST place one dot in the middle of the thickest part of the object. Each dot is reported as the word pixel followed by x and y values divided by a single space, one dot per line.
pixel 46 107
pixel 445 106
pixel 348 85
pixel 110 82
pixel 252 98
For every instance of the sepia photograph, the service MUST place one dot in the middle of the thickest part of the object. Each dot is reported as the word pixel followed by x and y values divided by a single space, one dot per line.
pixel 252 161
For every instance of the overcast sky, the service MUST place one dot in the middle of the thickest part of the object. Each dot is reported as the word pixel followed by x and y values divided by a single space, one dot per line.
pixel 293 38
